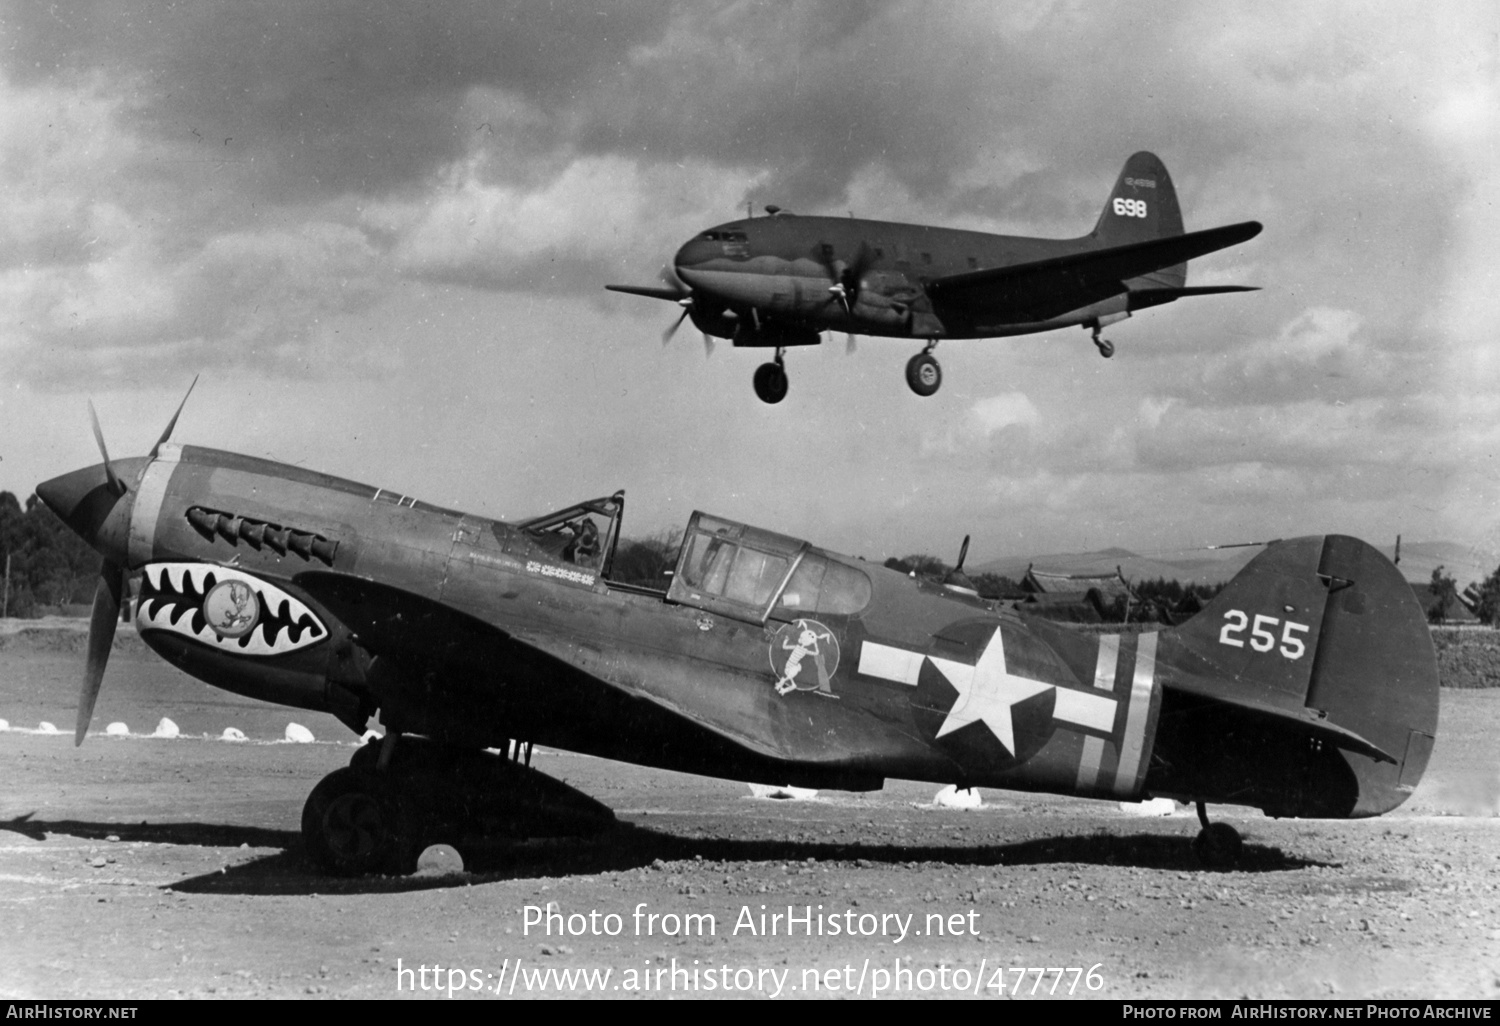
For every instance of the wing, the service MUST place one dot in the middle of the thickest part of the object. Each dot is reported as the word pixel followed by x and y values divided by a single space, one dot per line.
pixel 460 677
pixel 1044 289
pixel 670 295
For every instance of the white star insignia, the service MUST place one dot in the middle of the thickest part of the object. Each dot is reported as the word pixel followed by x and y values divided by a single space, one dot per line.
pixel 986 692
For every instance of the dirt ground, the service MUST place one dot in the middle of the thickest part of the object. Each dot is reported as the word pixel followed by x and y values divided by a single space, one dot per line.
pixel 138 867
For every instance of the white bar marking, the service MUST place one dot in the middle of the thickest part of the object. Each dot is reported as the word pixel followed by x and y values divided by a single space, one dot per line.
pixel 887 663
pixel 1141 686
pixel 1083 709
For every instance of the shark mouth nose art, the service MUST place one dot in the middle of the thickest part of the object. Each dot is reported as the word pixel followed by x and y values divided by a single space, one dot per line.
pixel 225 609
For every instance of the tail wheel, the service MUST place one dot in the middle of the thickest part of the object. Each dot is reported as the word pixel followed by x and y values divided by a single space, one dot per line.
pixel 923 374
pixel 770 382
pixel 355 823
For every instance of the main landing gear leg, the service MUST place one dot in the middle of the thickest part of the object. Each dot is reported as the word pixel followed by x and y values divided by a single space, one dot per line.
pixel 1217 845
pixel 771 380
pixel 1106 347
pixel 923 373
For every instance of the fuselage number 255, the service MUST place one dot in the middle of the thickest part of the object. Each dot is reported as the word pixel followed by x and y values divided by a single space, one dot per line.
pixel 1263 633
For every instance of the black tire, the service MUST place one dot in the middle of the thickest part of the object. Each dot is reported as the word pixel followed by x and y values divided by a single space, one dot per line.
pixel 1218 846
pixel 1106 348
pixel 923 374
pixel 770 383
pixel 354 823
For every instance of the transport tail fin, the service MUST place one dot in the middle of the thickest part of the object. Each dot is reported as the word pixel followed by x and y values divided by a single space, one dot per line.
pixel 1143 206
pixel 1307 687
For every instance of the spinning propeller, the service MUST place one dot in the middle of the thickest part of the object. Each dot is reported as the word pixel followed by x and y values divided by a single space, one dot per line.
pixel 685 301
pixel 848 277
pixel 67 496
pixel 848 280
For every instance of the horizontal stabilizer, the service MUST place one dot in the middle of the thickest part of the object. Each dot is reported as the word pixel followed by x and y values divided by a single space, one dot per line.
pixel 1049 288
pixel 1303 718
pixel 1140 299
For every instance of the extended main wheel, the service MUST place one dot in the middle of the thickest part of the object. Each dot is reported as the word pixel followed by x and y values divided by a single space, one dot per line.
pixel 770 382
pixel 354 823
pixel 1106 347
pixel 923 374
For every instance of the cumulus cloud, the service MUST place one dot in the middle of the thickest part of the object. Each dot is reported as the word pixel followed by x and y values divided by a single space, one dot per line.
pixel 239 186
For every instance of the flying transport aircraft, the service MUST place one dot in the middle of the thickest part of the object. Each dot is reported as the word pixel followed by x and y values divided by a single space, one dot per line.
pixel 1308 687
pixel 780 281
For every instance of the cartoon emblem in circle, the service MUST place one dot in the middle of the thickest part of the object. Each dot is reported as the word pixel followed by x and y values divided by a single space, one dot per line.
pixel 804 657
pixel 231 609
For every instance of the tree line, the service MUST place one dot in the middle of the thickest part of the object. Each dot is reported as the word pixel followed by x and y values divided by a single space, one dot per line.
pixel 49 565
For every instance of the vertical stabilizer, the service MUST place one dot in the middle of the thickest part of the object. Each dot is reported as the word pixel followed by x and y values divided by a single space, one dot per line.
pixel 1143 206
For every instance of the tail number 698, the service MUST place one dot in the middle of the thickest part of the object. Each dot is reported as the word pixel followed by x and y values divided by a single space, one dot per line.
pixel 1130 207
pixel 1263 633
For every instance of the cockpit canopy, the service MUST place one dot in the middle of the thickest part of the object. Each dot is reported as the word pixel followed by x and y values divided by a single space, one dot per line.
pixel 723 566
pixel 585 534
pixel 752 574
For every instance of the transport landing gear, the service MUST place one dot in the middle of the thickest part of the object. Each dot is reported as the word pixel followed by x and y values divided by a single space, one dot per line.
pixel 771 380
pixel 923 373
pixel 1217 845
pixel 1106 347
pixel 392 801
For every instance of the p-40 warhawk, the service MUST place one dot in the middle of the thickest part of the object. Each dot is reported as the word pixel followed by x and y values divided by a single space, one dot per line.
pixel 1307 687
pixel 780 281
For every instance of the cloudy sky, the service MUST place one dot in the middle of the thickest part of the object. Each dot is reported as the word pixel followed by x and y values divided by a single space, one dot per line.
pixel 380 232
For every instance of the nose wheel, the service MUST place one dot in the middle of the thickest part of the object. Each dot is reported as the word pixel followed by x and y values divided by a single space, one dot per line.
pixel 771 381
pixel 1106 347
pixel 923 373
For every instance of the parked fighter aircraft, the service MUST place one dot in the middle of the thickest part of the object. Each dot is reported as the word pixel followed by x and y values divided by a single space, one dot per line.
pixel 1307 687
pixel 776 282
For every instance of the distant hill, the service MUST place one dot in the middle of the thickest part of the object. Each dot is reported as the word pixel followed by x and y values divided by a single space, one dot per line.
pixel 1212 566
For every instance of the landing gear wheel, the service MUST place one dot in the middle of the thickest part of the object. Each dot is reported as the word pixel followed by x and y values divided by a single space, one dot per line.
pixel 770 382
pixel 1218 845
pixel 923 374
pixel 1105 346
pixel 355 823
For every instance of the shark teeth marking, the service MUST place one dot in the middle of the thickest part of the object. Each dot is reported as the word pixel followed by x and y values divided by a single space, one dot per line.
pixel 172 597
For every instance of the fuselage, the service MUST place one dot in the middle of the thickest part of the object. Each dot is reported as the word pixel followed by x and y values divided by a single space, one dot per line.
pixel 685 681
pixel 780 270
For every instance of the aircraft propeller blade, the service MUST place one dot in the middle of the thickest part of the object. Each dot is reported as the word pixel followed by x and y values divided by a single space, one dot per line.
pixel 108 595
pixel 156 449
pixel 666 336
pixel 686 302
pixel 115 484
pixel 963 553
